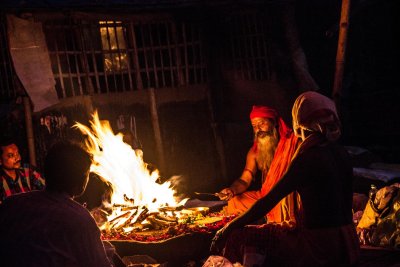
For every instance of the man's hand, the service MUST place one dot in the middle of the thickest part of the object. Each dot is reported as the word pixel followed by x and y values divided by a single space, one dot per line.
pixel 226 194
pixel 219 240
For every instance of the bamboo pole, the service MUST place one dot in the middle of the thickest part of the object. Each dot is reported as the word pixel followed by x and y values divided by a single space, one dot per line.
pixel 341 52
pixel 218 139
pixel 156 127
pixel 29 130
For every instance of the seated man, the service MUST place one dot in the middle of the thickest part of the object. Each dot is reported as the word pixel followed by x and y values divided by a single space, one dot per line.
pixel 14 177
pixel 274 146
pixel 48 228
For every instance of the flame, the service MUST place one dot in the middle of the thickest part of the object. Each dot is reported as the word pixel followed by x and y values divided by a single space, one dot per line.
pixel 124 168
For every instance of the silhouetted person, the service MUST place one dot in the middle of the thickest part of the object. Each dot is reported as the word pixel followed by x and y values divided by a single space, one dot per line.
pixel 48 228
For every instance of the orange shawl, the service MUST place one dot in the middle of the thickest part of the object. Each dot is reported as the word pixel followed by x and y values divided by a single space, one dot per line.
pixel 285 210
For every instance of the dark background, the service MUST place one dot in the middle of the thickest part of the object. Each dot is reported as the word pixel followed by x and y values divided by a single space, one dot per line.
pixel 369 106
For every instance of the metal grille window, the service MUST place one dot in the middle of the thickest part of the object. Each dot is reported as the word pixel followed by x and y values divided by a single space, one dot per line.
pixel 249 55
pixel 101 56
pixel 113 42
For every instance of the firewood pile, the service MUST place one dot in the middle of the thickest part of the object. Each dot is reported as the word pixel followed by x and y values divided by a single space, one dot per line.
pixel 139 224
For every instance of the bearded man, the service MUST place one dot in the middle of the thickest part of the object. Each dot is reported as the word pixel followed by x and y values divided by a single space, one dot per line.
pixel 274 146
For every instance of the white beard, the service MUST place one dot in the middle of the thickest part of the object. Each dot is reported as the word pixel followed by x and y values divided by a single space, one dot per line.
pixel 266 149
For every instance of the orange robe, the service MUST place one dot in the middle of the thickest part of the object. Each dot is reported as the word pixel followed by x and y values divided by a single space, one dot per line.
pixel 287 207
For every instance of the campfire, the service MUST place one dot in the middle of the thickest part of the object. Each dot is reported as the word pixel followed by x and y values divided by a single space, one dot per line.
pixel 139 207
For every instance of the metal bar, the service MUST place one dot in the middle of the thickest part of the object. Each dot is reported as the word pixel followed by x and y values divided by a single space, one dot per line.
pixel 161 55
pixel 169 47
pixel 185 45
pixel 83 58
pixel 128 62
pixel 135 57
pixel 194 55
pixel 153 55
pixel 201 61
pixel 111 55
pixel 76 59
pixel 59 67
pixel 145 56
pixel 68 63
pixel 103 60
pixel 178 55
pixel 92 52
pixel 119 55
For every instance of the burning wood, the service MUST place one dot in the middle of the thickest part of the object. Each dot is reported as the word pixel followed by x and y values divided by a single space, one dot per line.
pixel 142 216
pixel 166 218
pixel 129 200
pixel 138 201
pixel 120 220
pixel 158 230
pixel 158 223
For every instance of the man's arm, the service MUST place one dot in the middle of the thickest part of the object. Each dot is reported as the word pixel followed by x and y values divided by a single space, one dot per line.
pixel 241 184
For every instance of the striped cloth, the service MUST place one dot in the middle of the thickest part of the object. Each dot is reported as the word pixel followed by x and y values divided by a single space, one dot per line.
pixel 28 179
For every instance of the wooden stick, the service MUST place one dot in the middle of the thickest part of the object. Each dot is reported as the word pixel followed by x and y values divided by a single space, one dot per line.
pixel 341 52
pixel 29 130
pixel 156 127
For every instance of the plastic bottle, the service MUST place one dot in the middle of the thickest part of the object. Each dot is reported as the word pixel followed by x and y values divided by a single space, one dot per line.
pixel 372 192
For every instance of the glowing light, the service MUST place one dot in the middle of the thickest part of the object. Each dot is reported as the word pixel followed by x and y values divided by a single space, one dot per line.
pixel 117 163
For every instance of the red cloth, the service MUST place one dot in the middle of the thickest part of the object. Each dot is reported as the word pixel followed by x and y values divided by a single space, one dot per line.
pixel 263 112
pixel 270 113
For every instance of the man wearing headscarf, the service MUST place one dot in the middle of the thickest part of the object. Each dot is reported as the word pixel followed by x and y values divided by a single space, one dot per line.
pixel 322 174
pixel 271 153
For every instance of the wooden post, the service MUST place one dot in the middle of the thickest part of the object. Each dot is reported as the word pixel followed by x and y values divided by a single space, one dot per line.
pixel 29 130
pixel 341 52
pixel 88 104
pixel 218 139
pixel 156 127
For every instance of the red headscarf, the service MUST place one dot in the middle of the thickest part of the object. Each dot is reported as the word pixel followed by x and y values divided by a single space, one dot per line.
pixel 270 113
pixel 263 112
